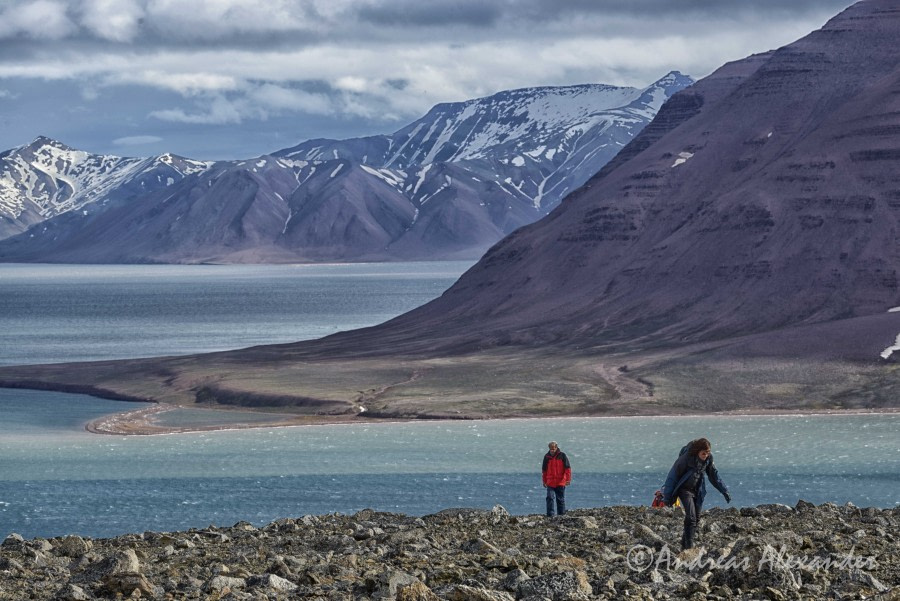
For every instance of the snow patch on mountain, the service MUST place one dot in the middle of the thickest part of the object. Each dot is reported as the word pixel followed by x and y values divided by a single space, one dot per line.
pixel 682 158
pixel 50 178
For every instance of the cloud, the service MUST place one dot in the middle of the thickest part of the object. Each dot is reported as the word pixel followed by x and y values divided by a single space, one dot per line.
pixel 278 98
pixel 114 20
pixel 205 20
pixel 219 111
pixel 261 101
pixel 474 13
pixel 39 20
pixel 185 83
pixel 136 140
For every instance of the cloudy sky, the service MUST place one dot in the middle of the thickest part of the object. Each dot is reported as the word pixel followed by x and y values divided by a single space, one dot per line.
pixel 222 79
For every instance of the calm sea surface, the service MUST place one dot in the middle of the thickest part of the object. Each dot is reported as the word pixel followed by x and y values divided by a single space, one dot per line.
pixel 56 313
pixel 55 478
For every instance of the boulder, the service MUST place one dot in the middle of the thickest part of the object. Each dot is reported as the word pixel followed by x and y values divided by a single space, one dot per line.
pixel 72 546
pixel 416 591
pixel 271 582
pixel 559 587
pixel 464 592
pixel 71 592
pixel 219 584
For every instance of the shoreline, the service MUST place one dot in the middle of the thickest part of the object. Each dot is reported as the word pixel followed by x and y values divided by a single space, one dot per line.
pixel 139 422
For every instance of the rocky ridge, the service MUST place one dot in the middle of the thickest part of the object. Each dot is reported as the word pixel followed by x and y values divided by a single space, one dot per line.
pixel 766 552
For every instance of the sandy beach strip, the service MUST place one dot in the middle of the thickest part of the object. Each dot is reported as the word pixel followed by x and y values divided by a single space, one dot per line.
pixel 141 422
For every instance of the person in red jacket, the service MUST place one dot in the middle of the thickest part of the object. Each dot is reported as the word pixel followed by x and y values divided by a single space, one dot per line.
pixel 557 475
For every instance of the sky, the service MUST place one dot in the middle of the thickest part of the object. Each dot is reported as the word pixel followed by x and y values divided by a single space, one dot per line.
pixel 229 79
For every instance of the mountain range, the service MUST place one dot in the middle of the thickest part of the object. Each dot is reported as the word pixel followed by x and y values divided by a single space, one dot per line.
pixel 740 253
pixel 446 186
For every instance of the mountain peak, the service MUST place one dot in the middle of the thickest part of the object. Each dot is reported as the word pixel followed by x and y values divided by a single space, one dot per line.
pixel 674 78
pixel 42 141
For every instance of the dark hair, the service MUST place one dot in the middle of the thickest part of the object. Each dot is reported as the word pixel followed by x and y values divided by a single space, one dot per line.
pixel 701 444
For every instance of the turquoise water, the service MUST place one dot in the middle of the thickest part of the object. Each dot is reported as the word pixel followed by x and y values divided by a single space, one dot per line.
pixel 56 479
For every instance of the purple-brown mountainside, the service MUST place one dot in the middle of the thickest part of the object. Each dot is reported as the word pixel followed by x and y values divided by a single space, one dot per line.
pixel 766 195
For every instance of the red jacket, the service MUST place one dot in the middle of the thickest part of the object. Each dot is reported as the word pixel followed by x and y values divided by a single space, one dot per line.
pixel 556 470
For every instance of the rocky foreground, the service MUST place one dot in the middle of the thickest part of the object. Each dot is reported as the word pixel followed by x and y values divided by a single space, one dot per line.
pixel 767 552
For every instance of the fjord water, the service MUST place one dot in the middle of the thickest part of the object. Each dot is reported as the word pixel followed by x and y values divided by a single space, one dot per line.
pixel 57 313
pixel 56 479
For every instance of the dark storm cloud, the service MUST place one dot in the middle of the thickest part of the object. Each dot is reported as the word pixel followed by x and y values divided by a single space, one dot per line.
pixel 474 13
pixel 503 14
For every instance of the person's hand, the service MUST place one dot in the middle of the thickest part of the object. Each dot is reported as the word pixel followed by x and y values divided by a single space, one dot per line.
pixel 727 498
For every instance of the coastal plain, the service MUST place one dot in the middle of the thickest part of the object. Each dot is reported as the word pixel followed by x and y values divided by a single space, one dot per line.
pixel 825 367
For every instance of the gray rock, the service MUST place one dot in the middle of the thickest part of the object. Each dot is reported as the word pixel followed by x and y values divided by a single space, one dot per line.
pixel 71 592
pixel 499 514
pixel 387 583
pixel 482 547
pixel 469 593
pixel 218 584
pixel 866 578
pixel 271 582
pixel 72 546
pixel 513 579
pixel 563 585
pixel 13 541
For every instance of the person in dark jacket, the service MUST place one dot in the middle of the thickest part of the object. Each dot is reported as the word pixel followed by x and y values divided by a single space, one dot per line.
pixel 686 483
pixel 557 475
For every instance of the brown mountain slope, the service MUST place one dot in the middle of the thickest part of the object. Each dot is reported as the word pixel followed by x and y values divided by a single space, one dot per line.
pixel 764 196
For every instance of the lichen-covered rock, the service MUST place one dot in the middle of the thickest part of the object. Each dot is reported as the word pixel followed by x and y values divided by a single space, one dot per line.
pixel 463 592
pixel 562 586
pixel 417 591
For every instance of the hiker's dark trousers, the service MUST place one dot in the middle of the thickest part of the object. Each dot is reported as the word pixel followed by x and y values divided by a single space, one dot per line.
pixel 691 507
pixel 558 494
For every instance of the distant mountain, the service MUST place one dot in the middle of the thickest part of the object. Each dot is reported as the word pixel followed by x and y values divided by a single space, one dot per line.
pixel 46 179
pixel 536 143
pixel 446 186
pixel 764 196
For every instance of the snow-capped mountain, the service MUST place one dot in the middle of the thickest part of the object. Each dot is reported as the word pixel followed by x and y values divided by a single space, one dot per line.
pixel 446 186
pixel 46 178
pixel 535 143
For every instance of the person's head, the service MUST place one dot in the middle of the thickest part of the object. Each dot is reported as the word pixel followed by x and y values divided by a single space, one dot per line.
pixel 701 448
pixel 553 446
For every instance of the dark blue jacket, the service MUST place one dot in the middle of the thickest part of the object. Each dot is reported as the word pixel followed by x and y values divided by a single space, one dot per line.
pixel 689 466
